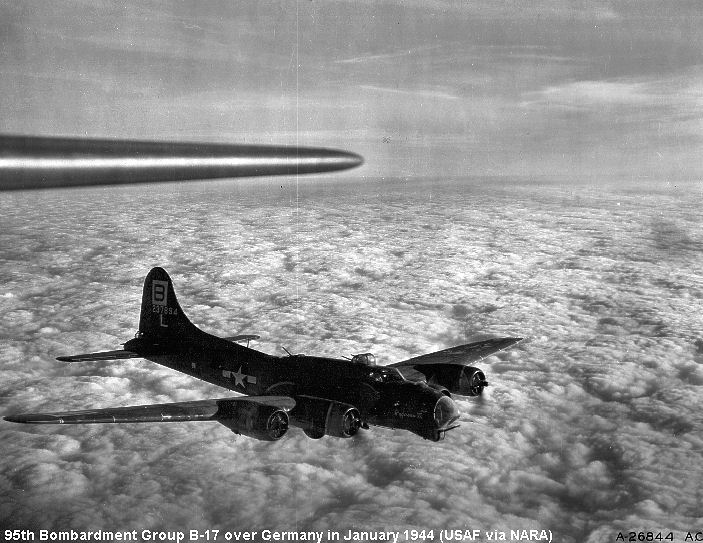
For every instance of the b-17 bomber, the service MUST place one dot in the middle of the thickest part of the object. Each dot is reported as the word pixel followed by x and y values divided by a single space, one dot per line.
pixel 320 395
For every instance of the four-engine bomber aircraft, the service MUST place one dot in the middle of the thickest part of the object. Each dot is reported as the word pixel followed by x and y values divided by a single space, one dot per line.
pixel 323 396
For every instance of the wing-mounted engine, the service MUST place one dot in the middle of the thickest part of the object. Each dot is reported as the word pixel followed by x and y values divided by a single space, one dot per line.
pixel 450 368
pixel 318 417
pixel 254 419
pixel 462 380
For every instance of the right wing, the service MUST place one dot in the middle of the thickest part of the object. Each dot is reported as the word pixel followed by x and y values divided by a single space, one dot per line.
pixel 215 409
pixel 260 417
pixel 104 355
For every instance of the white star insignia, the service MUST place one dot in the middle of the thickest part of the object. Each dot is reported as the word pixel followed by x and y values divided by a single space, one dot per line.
pixel 238 377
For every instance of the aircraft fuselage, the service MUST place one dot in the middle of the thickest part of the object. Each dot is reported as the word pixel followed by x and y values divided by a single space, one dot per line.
pixel 382 396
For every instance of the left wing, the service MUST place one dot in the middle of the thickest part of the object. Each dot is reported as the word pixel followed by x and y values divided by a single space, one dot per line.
pixel 462 355
pixel 263 417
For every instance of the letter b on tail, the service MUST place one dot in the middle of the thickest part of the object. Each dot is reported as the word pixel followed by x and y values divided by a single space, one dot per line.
pixel 161 316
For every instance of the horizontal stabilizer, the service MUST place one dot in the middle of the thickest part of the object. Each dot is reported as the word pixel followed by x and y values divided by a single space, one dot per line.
pixel 242 337
pixel 199 410
pixel 463 354
pixel 104 355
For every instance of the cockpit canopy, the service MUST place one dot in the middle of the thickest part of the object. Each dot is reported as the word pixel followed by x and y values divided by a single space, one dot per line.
pixel 367 359
pixel 378 374
pixel 384 374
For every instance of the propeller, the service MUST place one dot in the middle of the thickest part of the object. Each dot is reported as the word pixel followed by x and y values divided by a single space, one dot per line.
pixel 477 383
pixel 352 422
pixel 278 426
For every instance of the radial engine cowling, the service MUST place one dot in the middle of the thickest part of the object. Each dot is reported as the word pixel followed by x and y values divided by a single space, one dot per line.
pixel 318 417
pixel 253 419
pixel 462 380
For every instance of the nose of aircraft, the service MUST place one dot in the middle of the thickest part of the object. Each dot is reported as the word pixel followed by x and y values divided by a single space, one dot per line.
pixel 445 412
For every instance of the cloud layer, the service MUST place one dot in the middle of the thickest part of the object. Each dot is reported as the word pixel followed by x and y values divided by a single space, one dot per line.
pixel 593 423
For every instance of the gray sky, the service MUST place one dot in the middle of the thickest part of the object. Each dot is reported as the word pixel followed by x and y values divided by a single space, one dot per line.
pixel 587 89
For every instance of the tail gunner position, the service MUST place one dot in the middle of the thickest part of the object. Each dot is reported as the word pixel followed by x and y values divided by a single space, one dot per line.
pixel 322 396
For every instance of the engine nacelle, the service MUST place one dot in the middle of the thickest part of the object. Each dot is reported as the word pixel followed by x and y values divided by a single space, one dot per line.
pixel 462 380
pixel 253 419
pixel 318 417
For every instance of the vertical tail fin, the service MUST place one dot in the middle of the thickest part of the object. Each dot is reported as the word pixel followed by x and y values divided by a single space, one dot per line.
pixel 161 316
